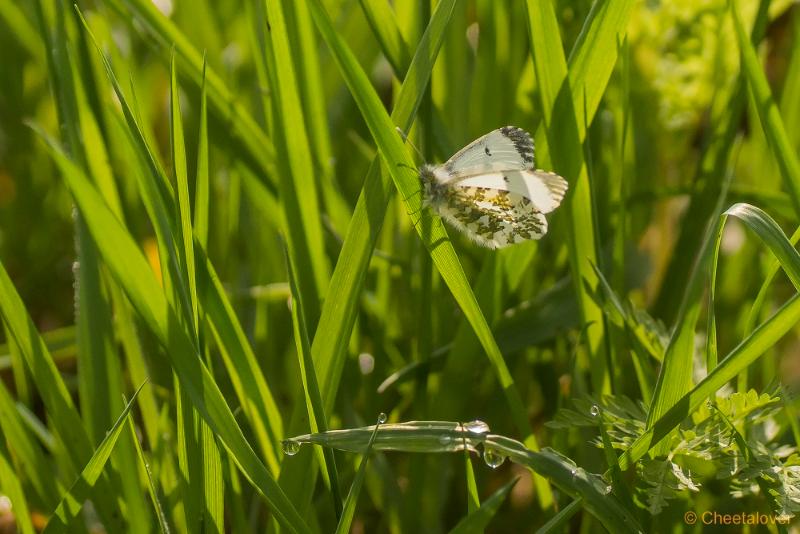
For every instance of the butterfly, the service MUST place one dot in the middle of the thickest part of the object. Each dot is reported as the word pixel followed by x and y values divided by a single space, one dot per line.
pixel 491 191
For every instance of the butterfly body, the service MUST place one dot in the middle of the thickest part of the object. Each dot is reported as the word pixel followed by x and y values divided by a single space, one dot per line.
pixel 490 190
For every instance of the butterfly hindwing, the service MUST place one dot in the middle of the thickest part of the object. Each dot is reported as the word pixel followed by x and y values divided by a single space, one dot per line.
pixel 505 149
pixel 545 189
pixel 493 218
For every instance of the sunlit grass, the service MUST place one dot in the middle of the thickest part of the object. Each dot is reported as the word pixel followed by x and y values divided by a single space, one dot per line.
pixel 214 247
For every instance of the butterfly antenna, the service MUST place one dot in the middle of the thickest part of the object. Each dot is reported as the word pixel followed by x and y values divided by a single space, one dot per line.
pixel 404 135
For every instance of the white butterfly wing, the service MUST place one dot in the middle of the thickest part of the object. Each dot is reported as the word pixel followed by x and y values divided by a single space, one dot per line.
pixel 505 149
pixel 544 189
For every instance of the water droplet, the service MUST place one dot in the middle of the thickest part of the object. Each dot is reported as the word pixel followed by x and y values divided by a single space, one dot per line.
pixel 445 439
pixel 493 458
pixel 594 410
pixel 290 447
pixel 608 490
pixel 573 472
pixel 476 427
pixel 382 418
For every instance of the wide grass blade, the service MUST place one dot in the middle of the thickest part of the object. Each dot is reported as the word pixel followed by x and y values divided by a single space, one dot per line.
pixel 567 103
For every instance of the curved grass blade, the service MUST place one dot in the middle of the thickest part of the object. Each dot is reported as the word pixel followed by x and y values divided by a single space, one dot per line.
pixel 477 521
pixel 72 502
pixel 748 350
pixel 675 376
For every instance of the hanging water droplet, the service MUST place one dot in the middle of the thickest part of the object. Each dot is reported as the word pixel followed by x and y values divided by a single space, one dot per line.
pixel 476 427
pixel 594 410
pixel 290 447
pixel 493 458
pixel 382 418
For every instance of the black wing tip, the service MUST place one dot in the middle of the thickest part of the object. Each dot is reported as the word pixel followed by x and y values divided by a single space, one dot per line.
pixel 522 140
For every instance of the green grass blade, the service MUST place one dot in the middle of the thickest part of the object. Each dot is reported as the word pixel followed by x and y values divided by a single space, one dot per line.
pixel 72 502
pixel 255 396
pixel 675 376
pixel 771 235
pixel 559 522
pixel 32 461
pixel 318 421
pixel 477 521
pixel 381 19
pixel 130 269
pixel 768 112
pixel 184 215
pixel 191 454
pixel 473 499
pixel 12 488
pixel 201 185
pixel 213 483
pixel 298 185
pixel 151 484
pixel 54 393
pixel 314 100
pixel 346 520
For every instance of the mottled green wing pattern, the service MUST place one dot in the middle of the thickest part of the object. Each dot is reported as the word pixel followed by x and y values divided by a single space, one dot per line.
pixel 493 218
